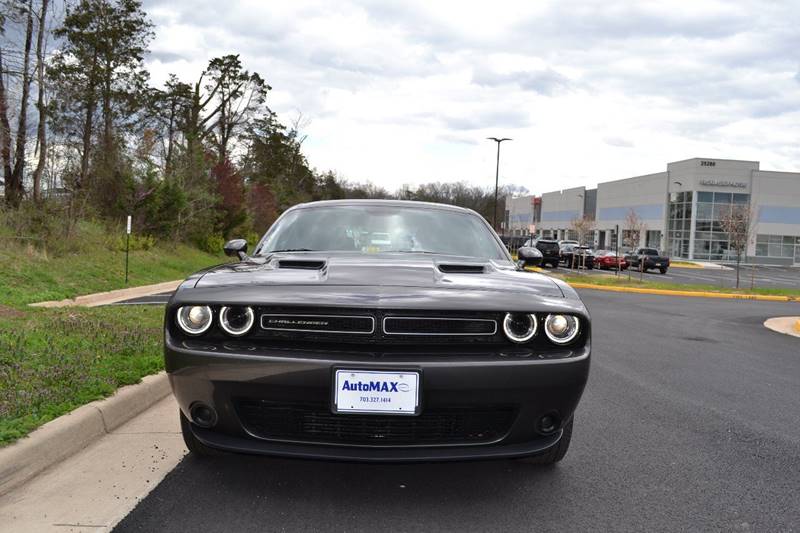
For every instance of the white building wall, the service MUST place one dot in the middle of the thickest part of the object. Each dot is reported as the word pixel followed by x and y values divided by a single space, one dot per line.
pixel 520 214
pixel 559 209
pixel 644 195
pixel 775 204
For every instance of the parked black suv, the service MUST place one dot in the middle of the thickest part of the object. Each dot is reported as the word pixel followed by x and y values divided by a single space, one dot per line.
pixel 550 251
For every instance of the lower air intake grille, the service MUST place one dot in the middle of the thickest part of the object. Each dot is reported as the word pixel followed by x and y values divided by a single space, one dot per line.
pixel 316 424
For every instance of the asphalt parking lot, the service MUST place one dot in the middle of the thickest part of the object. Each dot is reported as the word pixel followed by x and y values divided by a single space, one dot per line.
pixel 760 276
pixel 690 422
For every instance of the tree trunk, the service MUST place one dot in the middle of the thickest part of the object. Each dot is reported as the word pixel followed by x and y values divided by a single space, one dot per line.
pixel 5 136
pixel 17 188
pixel 738 263
pixel 170 139
pixel 108 120
pixel 88 124
pixel 41 130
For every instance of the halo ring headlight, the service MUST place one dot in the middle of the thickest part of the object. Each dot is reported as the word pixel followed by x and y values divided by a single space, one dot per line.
pixel 520 327
pixel 561 329
pixel 194 319
pixel 236 321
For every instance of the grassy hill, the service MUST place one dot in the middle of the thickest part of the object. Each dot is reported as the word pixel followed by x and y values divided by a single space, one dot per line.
pixel 93 261
pixel 54 360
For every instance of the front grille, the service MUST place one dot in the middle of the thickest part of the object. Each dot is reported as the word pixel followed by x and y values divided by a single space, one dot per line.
pixel 438 326
pixel 318 323
pixel 379 326
pixel 316 424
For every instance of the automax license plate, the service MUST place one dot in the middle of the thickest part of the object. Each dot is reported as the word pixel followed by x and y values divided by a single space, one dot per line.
pixel 365 391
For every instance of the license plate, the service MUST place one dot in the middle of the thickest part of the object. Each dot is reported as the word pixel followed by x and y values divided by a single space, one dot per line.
pixel 364 391
pixel 658 264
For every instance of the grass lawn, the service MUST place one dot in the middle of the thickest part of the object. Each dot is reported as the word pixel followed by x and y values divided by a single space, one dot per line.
pixel 622 281
pixel 54 360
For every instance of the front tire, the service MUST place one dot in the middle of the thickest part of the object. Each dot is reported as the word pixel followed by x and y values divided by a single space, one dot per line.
pixel 553 454
pixel 195 447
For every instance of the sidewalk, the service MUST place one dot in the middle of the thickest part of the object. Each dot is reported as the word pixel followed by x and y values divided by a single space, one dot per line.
pixel 110 297
pixel 96 488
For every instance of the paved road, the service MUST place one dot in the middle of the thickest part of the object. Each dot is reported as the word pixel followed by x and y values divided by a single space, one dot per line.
pixel 690 421
pixel 762 276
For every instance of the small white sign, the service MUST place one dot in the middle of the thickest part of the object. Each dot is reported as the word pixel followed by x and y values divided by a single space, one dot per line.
pixel 129 225
pixel 359 391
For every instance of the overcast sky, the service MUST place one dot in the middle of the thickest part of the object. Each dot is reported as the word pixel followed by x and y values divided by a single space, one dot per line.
pixel 407 92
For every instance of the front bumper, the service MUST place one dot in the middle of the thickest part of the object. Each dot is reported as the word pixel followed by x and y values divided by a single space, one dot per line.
pixel 221 376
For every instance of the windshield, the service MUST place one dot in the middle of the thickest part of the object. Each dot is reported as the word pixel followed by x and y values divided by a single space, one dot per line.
pixel 382 229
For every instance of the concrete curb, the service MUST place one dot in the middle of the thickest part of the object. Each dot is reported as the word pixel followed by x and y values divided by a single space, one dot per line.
pixel 110 297
pixel 788 325
pixel 696 294
pixel 686 265
pixel 72 432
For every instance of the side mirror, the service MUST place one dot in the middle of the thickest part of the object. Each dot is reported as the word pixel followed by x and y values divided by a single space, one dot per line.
pixel 236 248
pixel 529 256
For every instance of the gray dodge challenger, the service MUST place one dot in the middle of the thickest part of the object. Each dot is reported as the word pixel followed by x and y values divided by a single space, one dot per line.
pixel 377 330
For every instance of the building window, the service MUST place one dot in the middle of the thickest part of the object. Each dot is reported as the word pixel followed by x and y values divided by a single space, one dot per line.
pixel 711 209
pixel 653 239
pixel 778 246
pixel 679 224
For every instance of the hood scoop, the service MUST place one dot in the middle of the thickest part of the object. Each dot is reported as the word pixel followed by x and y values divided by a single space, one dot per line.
pixel 301 264
pixel 455 268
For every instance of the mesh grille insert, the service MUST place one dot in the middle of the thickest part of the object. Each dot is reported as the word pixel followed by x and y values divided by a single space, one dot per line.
pixel 315 423
pixel 438 326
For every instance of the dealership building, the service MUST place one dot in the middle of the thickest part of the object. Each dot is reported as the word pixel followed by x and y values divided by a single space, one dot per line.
pixel 679 210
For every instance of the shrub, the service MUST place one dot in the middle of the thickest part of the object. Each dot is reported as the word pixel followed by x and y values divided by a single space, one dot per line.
pixel 211 243
pixel 137 242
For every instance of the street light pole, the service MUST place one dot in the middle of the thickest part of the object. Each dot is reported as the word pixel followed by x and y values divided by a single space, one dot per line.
pixel 497 175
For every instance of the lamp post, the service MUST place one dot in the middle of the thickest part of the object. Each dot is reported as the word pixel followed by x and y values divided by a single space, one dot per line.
pixel 497 175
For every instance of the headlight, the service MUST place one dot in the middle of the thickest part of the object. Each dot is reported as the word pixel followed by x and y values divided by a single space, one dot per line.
pixel 237 320
pixel 194 319
pixel 520 327
pixel 561 329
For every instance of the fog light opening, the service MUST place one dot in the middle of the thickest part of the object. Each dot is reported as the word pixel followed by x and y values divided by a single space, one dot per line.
pixel 203 415
pixel 549 423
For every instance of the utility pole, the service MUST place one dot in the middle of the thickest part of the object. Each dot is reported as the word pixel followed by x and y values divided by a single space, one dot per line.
pixel 497 174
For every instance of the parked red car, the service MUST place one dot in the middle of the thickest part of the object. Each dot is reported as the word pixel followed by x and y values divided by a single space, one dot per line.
pixel 608 260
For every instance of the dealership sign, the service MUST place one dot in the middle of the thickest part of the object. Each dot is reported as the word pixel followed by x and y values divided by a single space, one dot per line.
pixel 724 183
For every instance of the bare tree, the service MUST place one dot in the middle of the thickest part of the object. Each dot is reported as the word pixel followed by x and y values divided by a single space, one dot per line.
pixel 633 229
pixel 582 226
pixel 739 224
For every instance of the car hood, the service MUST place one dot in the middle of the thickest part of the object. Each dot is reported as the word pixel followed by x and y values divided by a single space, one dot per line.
pixel 377 271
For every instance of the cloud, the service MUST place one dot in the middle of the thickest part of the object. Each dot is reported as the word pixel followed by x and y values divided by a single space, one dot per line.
pixel 500 119
pixel 619 142
pixel 545 81
pixel 407 91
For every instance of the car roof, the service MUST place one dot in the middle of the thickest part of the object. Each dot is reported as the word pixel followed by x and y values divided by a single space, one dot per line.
pixel 382 203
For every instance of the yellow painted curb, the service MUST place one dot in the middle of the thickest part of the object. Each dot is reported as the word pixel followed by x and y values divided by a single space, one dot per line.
pixel 698 294
pixel 797 325
pixel 534 269
pixel 679 264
